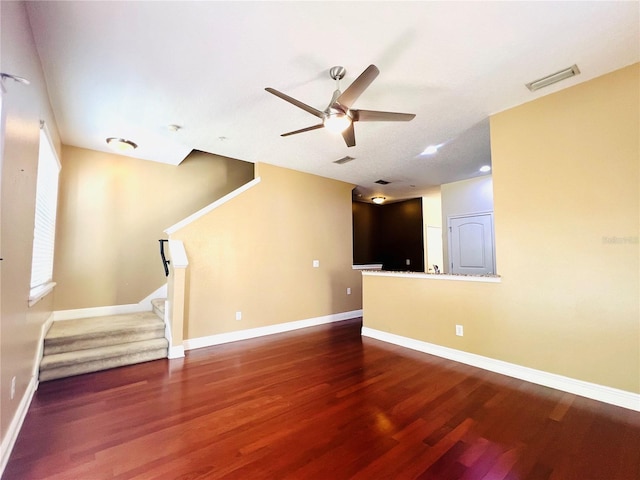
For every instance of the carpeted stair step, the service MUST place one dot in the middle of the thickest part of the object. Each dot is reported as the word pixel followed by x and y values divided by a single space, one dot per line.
pixel 86 333
pixel 67 364
pixel 157 305
pixel 73 347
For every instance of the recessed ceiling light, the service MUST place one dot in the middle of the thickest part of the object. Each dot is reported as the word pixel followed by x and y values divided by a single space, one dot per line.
pixel 431 150
pixel 120 144
pixel 485 168
pixel 378 200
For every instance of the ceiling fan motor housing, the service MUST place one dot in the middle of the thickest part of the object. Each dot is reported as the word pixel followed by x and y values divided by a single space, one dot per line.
pixel 337 73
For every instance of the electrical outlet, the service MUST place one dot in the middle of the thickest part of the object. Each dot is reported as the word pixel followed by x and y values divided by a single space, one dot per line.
pixel 316 263
pixel 13 387
pixel 348 291
pixel 238 315
pixel 459 330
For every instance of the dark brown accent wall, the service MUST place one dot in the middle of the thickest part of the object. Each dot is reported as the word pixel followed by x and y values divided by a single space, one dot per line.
pixel 364 233
pixel 389 234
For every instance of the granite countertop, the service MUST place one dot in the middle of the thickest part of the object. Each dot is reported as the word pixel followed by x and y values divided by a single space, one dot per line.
pixel 443 276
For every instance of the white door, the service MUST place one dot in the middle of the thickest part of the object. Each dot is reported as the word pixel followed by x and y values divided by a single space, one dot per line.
pixel 471 249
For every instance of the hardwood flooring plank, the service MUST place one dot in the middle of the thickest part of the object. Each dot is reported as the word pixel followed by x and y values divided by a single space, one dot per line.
pixel 319 403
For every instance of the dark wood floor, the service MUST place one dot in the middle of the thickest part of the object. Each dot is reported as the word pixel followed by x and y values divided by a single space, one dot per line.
pixel 320 403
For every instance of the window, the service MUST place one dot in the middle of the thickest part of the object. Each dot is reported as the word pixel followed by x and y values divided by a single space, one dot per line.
pixel 44 231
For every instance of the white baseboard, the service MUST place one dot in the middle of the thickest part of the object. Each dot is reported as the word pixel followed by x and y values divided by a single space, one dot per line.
pixel 176 351
pixel 613 396
pixel 200 342
pixel 143 306
pixel 40 349
pixel 11 436
pixel 9 440
pixel 159 293
pixel 61 315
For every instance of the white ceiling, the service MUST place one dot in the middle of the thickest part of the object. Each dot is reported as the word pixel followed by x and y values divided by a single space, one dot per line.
pixel 129 69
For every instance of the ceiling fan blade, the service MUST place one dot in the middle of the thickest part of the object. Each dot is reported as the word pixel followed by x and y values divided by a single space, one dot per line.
pixel 297 103
pixel 349 136
pixel 302 130
pixel 375 116
pixel 359 85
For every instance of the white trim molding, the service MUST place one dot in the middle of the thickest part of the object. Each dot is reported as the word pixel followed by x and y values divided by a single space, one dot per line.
pixel 178 254
pixel 40 292
pixel 61 315
pixel 203 211
pixel 143 306
pixel 11 435
pixel 176 351
pixel 161 292
pixel 9 440
pixel 209 341
pixel 613 396
pixel 40 348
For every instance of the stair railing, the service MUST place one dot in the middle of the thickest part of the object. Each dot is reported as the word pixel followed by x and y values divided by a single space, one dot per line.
pixel 165 262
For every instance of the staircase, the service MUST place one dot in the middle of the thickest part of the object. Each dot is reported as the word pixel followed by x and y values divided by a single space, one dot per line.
pixel 74 347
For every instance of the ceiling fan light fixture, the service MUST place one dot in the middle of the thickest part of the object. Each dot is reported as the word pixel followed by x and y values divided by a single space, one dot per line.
pixel 572 71
pixel 378 200
pixel 337 122
pixel 121 145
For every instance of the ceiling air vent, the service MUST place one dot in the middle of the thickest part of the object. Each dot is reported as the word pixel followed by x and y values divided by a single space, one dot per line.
pixel 344 160
pixel 572 71
pixel 382 182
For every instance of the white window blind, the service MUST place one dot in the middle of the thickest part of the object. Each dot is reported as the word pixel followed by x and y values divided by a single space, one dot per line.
pixel 44 231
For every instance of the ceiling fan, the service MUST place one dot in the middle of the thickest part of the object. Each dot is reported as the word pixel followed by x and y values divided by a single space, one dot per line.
pixel 339 117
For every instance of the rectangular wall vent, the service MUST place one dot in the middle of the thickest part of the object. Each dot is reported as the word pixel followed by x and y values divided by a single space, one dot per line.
pixel 344 160
pixel 382 182
pixel 572 71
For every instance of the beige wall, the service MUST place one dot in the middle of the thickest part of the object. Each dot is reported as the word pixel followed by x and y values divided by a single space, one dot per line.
pixel 113 210
pixel 24 107
pixel 566 194
pixel 254 255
